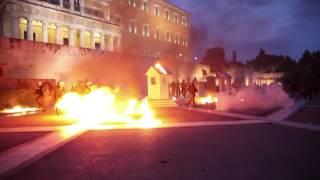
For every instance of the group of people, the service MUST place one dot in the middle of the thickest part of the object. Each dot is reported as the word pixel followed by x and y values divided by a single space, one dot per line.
pixel 184 90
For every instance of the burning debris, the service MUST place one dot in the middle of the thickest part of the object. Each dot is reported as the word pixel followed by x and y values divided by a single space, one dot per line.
pixel 19 111
pixel 101 106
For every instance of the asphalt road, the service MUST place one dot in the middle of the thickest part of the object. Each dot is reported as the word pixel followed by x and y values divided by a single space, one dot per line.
pixel 247 152
pixel 308 115
pixel 9 140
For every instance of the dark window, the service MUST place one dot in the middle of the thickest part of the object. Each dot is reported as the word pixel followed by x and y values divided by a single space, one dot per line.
pixel 97 45
pixel 153 81
pixel 66 4
pixel 25 35
pixel 76 5
pixel 56 2
pixel 65 41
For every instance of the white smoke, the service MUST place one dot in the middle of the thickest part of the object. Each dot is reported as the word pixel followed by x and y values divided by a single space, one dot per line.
pixel 263 98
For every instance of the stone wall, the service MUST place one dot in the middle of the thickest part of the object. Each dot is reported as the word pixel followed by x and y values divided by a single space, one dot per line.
pixel 35 60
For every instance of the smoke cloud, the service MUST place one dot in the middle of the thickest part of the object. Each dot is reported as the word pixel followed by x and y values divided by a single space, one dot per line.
pixel 261 98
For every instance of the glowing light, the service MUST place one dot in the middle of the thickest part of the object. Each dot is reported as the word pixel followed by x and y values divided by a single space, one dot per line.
pixel 207 100
pixel 160 68
pixel 100 106
pixel 19 110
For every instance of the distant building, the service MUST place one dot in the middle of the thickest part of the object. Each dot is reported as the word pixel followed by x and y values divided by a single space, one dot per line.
pixel 152 28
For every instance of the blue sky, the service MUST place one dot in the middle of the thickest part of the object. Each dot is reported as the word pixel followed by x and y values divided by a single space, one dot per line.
pixel 286 27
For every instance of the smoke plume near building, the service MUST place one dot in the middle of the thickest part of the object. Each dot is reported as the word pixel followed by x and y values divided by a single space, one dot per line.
pixel 260 98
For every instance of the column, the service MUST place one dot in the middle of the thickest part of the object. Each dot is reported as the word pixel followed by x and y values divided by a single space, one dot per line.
pixel 110 43
pixel 92 40
pixel 82 38
pixel 29 29
pixel 82 7
pixel 72 5
pixel 45 31
pixel 71 36
pixel 15 28
pixel 61 3
pixel 102 41
pixel 58 34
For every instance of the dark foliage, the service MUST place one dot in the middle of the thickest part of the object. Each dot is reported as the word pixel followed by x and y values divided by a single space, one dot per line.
pixel 215 57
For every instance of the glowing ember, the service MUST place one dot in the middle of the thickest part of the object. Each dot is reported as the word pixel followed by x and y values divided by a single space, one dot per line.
pixel 207 100
pixel 100 106
pixel 19 110
pixel 160 68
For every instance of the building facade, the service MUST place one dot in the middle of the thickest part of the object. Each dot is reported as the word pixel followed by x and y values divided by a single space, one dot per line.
pixel 153 28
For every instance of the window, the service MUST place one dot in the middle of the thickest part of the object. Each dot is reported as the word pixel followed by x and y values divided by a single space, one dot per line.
pixel 76 5
pixel 145 31
pixel 175 18
pixel 34 36
pixel 65 41
pixel 153 81
pixel 97 45
pixel 25 35
pixel 176 39
pixel 168 37
pixel 166 14
pixel 132 3
pixel 55 2
pixel 156 10
pixel 133 27
pixel 66 4
pixel 157 34
pixel 144 5
pixel 184 21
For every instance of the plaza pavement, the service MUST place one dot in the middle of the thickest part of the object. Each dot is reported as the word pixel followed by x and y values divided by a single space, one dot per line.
pixel 197 129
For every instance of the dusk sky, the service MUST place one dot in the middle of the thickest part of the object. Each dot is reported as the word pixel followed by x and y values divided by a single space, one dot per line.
pixel 286 27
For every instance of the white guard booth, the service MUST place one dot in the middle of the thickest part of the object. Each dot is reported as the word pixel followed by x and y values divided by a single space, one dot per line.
pixel 158 82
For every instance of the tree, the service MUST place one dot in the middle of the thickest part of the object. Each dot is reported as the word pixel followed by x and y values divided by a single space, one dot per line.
pixel 215 57
pixel 271 63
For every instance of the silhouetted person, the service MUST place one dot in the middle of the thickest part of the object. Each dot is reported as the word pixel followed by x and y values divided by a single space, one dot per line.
pixel 192 93
pixel 45 96
pixel 178 89
pixel 183 88
pixel 172 87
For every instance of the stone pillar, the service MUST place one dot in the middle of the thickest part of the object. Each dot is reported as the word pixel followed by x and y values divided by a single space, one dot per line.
pixel 82 38
pixel 45 31
pixel 71 36
pixel 92 40
pixel 29 29
pixel 72 5
pixel 110 43
pixel 102 41
pixel 82 7
pixel 15 28
pixel 58 34
pixel 61 3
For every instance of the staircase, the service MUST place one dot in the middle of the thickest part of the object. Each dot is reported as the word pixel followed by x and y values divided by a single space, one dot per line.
pixel 162 103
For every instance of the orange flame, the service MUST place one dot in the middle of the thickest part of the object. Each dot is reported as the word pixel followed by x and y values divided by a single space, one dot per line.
pixel 100 106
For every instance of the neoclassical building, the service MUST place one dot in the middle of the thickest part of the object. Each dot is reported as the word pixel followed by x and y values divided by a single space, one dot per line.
pixel 60 22
pixel 152 28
